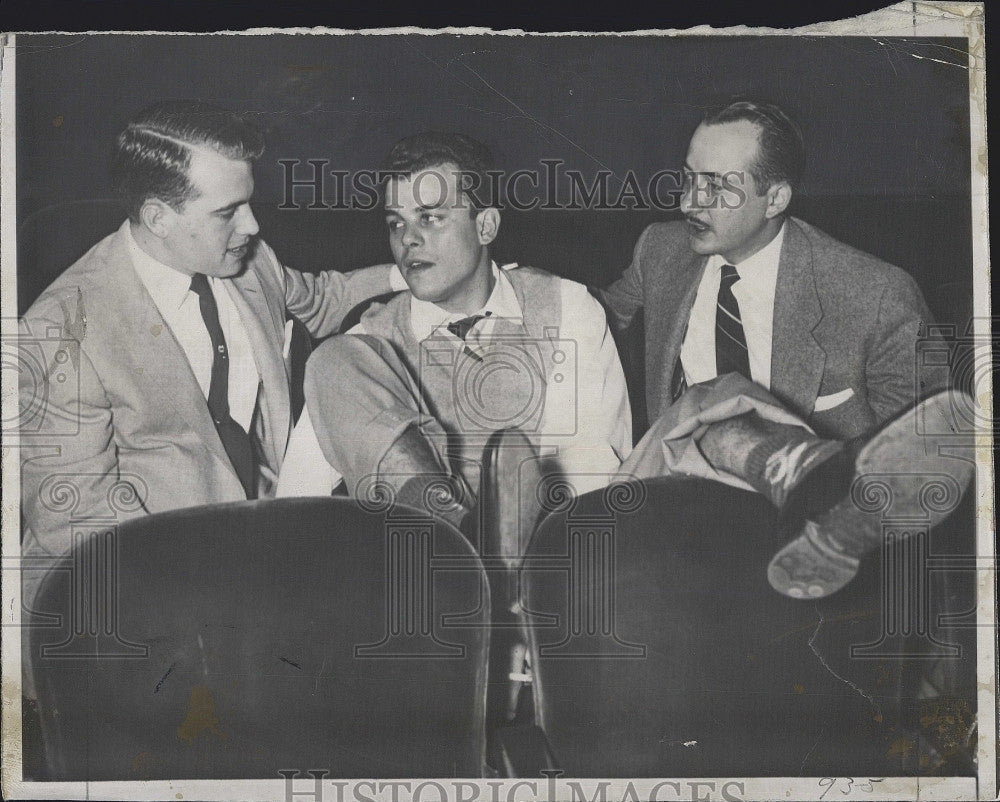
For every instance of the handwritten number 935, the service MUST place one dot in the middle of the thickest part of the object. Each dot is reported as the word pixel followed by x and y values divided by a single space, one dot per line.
pixel 847 784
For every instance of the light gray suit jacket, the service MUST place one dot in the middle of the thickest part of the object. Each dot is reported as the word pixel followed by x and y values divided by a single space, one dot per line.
pixel 113 421
pixel 843 320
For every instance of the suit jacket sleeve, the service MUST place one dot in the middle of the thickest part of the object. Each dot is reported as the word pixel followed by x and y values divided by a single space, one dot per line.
pixel 321 301
pixel 69 468
pixel 625 297
pixel 895 375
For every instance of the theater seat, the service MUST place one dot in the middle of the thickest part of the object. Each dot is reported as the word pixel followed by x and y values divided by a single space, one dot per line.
pixel 254 637
pixel 671 655
pixel 510 507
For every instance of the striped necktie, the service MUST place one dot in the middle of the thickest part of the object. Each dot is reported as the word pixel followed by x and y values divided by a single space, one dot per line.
pixel 731 354
pixel 461 329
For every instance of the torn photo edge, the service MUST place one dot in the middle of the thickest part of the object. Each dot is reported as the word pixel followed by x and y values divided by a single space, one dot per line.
pixel 902 20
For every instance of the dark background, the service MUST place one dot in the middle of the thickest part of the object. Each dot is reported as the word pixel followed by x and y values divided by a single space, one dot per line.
pixel 879 119
pixel 533 15
pixel 885 120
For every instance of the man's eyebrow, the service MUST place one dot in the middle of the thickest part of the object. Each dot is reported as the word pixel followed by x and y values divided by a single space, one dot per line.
pixel 230 207
pixel 430 207
pixel 688 169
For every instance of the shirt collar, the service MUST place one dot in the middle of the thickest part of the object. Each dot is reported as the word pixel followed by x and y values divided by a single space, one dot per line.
pixel 764 261
pixel 426 317
pixel 167 286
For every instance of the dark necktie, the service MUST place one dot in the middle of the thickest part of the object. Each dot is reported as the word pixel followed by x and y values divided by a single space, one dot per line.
pixel 731 354
pixel 234 439
pixel 461 329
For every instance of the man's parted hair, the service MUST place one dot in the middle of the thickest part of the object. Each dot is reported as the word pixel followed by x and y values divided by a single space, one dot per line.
pixel 435 148
pixel 781 152
pixel 153 153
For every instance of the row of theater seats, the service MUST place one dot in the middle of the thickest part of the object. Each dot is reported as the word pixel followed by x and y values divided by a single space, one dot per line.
pixel 631 632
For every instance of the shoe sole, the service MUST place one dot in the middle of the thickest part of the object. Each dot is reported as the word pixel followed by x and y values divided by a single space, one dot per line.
pixel 902 470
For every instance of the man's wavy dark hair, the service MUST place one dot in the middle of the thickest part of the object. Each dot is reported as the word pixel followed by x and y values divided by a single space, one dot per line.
pixel 153 152
pixel 435 148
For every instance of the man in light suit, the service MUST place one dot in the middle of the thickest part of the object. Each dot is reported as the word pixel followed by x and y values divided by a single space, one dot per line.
pixel 161 357
pixel 756 322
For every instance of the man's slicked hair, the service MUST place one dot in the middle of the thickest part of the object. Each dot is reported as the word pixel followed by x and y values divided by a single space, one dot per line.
pixel 153 153
pixel 435 148
pixel 781 152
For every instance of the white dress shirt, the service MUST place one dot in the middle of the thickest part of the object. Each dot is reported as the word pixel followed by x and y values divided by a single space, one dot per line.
pixel 179 306
pixel 754 292
pixel 588 448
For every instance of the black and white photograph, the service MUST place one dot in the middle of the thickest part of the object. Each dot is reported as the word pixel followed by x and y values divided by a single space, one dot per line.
pixel 467 414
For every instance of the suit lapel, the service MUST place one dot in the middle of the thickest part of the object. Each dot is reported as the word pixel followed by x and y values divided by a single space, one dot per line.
pixel 678 299
pixel 167 376
pixel 265 329
pixel 797 360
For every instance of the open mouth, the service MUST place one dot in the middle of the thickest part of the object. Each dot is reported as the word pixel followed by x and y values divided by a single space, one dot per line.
pixel 239 251
pixel 417 264
pixel 695 226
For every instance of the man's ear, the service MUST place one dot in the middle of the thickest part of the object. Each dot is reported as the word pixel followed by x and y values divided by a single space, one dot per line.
pixel 778 198
pixel 488 225
pixel 156 216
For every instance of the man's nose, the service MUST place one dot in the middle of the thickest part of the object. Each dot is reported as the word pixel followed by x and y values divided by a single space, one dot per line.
pixel 247 223
pixel 411 237
pixel 687 193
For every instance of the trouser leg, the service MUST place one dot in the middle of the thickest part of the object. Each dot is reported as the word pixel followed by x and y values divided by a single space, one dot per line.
pixel 711 432
pixel 374 426
pixel 912 470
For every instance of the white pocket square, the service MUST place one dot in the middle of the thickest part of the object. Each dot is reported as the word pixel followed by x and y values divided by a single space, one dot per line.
pixel 825 402
pixel 286 348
